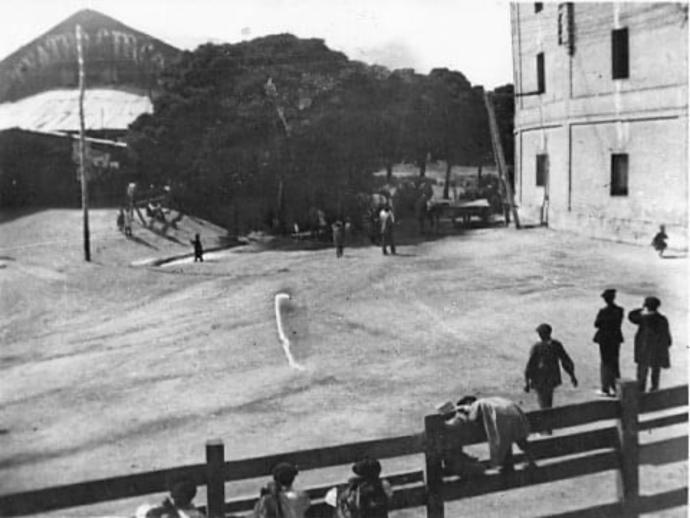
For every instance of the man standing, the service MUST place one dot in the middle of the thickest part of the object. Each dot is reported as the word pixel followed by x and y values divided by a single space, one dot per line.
pixel 609 337
pixel 338 230
pixel 387 220
pixel 652 340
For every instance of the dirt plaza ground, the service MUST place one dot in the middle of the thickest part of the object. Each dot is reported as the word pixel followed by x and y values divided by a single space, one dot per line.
pixel 115 367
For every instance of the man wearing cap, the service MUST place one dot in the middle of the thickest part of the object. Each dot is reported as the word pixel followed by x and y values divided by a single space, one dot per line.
pixel 609 337
pixel 652 340
pixel 279 499
pixel 543 370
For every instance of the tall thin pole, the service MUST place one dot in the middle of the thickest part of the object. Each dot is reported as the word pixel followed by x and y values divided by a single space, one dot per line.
pixel 500 158
pixel 82 148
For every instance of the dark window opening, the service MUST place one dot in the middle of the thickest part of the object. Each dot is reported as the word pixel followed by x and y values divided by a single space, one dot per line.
pixel 542 170
pixel 619 174
pixel 619 53
pixel 541 82
pixel 538 6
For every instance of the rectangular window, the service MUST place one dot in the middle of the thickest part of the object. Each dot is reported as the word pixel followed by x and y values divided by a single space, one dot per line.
pixel 542 170
pixel 619 174
pixel 538 6
pixel 619 53
pixel 541 83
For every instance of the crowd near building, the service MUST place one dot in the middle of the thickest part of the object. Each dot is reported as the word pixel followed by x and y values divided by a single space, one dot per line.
pixel 601 117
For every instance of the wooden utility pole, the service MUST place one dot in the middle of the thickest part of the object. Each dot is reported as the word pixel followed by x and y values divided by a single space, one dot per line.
pixel 500 159
pixel 82 148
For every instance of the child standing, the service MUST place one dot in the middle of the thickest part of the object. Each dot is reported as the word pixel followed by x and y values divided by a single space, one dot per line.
pixel 198 249
pixel 543 372
pixel 659 241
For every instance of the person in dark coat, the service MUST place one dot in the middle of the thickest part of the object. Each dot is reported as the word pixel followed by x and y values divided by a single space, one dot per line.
pixel 198 249
pixel 338 237
pixel 652 341
pixel 609 337
pixel 543 370
pixel 659 241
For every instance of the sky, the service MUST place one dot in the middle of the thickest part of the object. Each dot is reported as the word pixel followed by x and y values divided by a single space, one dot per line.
pixel 472 36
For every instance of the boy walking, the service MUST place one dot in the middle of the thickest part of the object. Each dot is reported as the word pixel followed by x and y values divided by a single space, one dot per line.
pixel 543 371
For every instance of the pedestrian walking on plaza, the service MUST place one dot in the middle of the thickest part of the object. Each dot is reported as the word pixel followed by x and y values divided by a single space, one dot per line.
pixel 338 237
pixel 543 371
pixel 278 499
pixel 387 221
pixel 659 241
pixel 652 341
pixel 609 337
pixel 198 249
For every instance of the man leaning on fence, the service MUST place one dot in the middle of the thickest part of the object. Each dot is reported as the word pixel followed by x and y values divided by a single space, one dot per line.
pixel 503 421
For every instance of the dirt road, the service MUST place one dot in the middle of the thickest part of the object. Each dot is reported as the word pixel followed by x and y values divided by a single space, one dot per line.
pixel 108 369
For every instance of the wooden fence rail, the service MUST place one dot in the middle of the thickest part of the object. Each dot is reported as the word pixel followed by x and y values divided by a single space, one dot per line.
pixel 610 444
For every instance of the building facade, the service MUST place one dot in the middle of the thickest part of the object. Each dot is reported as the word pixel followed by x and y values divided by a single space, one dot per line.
pixel 601 118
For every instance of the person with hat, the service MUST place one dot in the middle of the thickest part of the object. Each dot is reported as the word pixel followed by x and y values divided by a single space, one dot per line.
pixel 178 505
pixel 503 421
pixel 366 495
pixel 278 499
pixel 609 337
pixel 652 341
pixel 543 373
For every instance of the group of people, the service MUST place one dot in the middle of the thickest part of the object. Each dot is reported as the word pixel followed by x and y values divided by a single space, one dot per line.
pixel 504 421
pixel 384 223
pixel 651 352
pixel 365 495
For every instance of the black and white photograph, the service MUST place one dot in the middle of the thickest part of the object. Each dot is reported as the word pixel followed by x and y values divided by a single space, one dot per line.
pixel 343 259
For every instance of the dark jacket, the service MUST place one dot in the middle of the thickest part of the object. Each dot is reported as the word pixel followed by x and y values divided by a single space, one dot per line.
pixel 543 367
pixel 652 340
pixel 609 335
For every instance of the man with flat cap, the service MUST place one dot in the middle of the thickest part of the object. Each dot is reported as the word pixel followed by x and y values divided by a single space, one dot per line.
pixel 652 340
pixel 543 370
pixel 609 337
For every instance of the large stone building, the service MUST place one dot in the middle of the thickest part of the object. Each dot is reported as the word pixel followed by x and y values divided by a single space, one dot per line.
pixel 601 117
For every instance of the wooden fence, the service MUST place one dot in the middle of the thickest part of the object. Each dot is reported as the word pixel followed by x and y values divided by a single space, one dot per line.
pixel 603 446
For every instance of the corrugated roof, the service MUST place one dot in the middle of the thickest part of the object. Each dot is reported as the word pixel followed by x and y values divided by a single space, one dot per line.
pixel 58 110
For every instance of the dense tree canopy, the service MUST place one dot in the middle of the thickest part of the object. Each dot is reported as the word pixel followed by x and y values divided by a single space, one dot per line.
pixel 269 128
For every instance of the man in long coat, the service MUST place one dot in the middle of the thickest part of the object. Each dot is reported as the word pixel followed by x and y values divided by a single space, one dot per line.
pixel 609 337
pixel 652 341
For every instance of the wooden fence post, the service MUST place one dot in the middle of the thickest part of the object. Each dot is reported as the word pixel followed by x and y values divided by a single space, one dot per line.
pixel 628 480
pixel 433 455
pixel 215 478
